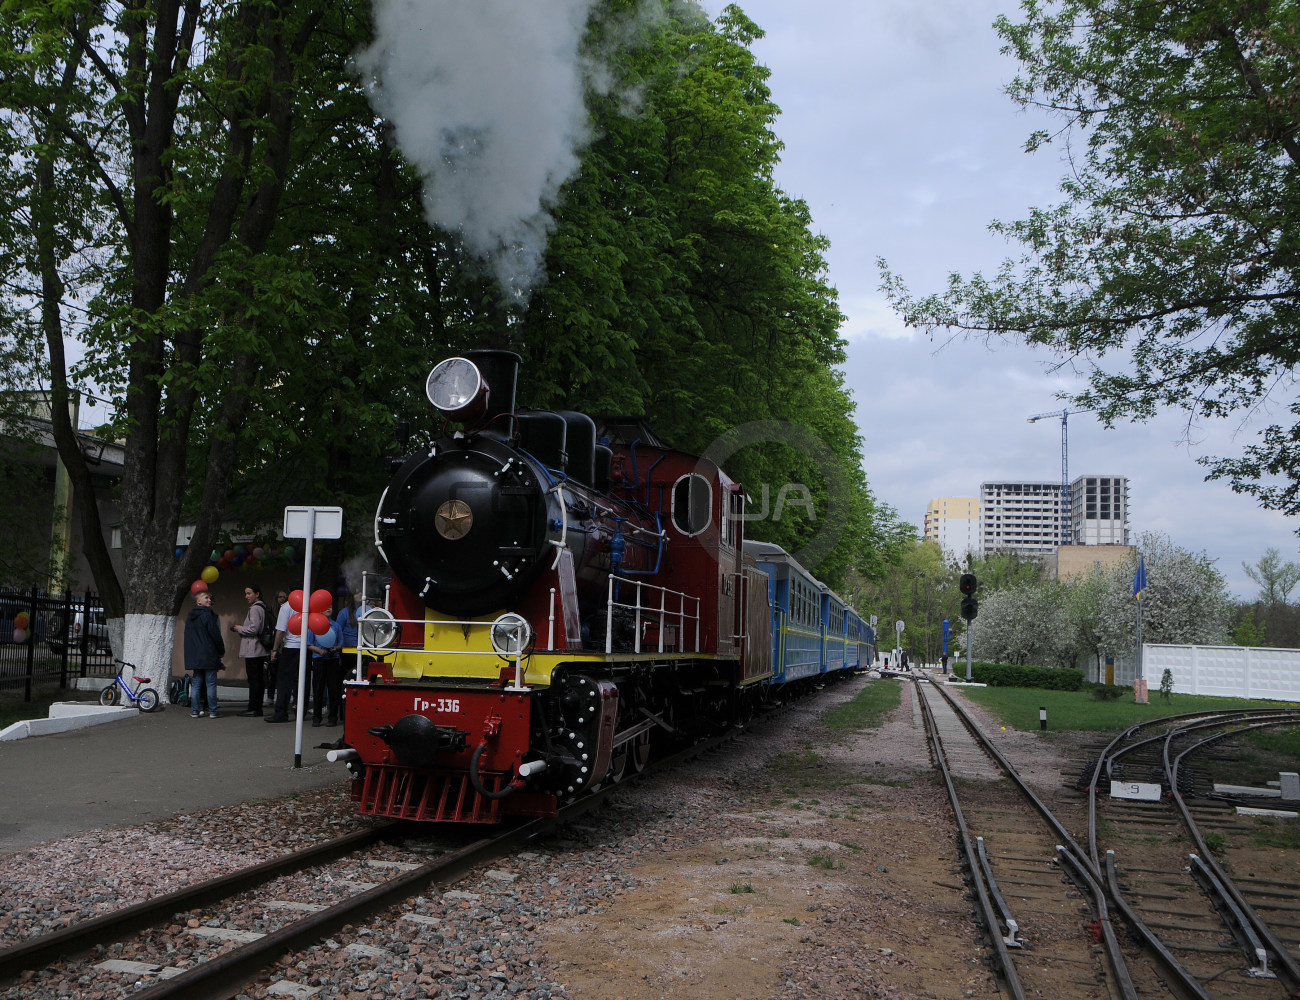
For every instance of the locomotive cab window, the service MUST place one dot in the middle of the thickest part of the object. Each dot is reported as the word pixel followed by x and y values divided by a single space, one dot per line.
pixel 692 504
pixel 733 516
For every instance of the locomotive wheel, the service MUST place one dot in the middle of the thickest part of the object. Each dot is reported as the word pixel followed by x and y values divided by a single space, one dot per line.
pixel 618 763
pixel 640 751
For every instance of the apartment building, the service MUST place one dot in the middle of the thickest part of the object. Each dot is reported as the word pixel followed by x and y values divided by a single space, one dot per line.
pixel 1020 514
pixel 1025 515
pixel 954 522
pixel 1099 510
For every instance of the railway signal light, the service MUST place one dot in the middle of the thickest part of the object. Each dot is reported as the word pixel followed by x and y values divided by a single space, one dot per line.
pixel 970 608
pixel 967 584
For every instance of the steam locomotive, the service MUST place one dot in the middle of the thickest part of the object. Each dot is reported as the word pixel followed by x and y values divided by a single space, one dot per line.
pixel 564 599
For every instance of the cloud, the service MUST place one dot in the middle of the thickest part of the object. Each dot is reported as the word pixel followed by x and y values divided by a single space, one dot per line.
pixel 901 139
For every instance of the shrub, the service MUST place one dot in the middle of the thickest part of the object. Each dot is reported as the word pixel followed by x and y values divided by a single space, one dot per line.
pixel 1011 675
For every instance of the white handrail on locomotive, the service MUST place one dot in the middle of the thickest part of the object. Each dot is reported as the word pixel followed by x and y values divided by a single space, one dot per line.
pixel 365 606
pixel 664 614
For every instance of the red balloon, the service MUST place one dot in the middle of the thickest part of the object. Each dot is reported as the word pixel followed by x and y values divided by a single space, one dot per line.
pixel 295 624
pixel 198 587
pixel 320 602
pixel 316 621
pixel 295 600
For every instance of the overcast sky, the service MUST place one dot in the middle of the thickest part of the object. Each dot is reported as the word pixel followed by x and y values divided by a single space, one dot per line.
pixel 899 136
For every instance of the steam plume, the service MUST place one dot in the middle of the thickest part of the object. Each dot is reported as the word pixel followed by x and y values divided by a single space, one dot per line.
pixel 486 97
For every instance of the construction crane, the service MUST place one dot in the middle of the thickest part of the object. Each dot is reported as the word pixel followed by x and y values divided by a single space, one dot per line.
pixel 1065 467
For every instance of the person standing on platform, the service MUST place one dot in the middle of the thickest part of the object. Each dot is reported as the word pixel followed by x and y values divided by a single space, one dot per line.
pixel 345 623
pixel 285 657
pixel 326 676
pixel 204 649
pixel 281 600
pixel 251 650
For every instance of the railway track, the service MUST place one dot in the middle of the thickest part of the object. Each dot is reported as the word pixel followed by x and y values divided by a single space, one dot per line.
pixel 253 918
pixel 1157 921
pixel 1160 856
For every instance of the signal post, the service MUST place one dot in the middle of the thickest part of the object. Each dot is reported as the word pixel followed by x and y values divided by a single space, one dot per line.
pixel 970 608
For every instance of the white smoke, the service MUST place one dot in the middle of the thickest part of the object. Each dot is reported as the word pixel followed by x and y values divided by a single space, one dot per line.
pixel 486 97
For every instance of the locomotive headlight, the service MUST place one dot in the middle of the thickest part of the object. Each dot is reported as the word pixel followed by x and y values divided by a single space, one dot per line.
pixel 377 629
pixel 456 389
pixel 511 635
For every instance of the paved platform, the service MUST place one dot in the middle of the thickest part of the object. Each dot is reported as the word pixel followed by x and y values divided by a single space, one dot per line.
pixel 147 767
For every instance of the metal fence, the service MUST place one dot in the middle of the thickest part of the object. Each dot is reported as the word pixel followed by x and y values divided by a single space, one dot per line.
pixel 50 639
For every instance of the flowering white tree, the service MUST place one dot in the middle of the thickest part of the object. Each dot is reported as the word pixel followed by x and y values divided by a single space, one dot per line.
pixel 1024 623
pixel 1058 623
pixel 1185 601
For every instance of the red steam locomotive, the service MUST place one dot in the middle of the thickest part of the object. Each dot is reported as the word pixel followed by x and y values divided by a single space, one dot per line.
pixel 563 599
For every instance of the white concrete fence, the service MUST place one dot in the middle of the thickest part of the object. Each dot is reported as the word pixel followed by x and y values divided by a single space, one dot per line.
pixel 1227 671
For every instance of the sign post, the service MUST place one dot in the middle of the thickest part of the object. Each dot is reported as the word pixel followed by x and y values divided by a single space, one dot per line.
pixel 308 523
pixel 898 644
pixel 1139 585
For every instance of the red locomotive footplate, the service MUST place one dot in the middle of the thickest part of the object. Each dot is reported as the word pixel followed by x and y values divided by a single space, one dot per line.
pixel 499 717
pixel 442 790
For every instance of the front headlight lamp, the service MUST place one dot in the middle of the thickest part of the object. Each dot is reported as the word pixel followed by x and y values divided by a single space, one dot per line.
pixel 457 389
pixel 511 635
pixel 378 629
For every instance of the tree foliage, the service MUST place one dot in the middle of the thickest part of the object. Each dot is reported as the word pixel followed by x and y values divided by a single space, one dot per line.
pixel 1175 248
pixel 1275 577
pixel 199 192
pixel 917 588
pixel 1076 621
pixel 1247 631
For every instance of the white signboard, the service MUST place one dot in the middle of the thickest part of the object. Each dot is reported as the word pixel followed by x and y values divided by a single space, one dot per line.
pixel 1143 791
pixel 329 522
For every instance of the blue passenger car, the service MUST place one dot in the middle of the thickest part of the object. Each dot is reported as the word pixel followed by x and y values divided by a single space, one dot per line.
pixel 795 597
pixel 853 654
pixel 814 631
pixel 833 625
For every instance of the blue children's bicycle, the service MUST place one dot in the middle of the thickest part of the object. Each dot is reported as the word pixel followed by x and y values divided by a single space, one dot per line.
pixel 143 698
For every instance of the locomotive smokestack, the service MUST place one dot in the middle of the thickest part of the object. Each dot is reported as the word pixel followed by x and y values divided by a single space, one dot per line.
pixel 501 372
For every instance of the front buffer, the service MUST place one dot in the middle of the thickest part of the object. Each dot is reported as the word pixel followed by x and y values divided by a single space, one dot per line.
pixel 469 755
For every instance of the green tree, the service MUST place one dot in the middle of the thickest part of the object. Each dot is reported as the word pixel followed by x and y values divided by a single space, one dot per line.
pixel 1003 568
pixel 1247 631
pixel 1276 578
pixel 917 588
pixel 1174 247
pixel 686 285
pixel 150 149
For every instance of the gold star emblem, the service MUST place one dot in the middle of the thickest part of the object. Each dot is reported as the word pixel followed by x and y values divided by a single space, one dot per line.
pixel 454 519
